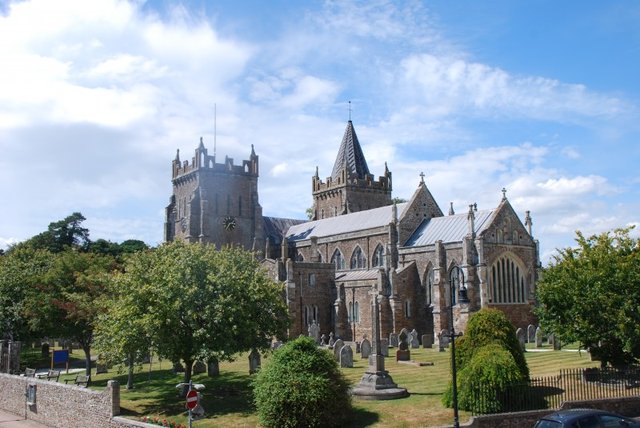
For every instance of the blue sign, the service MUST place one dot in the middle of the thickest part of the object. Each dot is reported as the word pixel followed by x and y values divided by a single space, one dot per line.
pixel 61 356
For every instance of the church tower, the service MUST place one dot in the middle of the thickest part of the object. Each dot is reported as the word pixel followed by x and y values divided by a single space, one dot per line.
pixel 215 202
pixel 351 187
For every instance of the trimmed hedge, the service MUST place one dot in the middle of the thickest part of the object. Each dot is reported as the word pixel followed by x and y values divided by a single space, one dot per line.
pixel 302 387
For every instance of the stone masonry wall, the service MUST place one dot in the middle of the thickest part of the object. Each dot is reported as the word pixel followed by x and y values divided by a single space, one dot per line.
pixel 60 405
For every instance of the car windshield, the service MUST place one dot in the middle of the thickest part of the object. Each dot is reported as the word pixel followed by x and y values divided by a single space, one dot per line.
pixel 543 423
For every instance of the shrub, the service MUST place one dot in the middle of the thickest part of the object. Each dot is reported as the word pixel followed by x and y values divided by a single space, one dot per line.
pixel 484 379
pixel 302 387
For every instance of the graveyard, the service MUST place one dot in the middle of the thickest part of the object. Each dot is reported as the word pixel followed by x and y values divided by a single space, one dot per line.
pixel 227 398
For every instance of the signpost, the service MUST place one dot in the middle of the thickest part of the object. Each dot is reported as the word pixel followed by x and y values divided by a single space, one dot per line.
pixel 193 400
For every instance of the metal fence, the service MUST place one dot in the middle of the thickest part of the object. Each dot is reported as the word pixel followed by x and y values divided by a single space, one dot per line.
pixel 550 392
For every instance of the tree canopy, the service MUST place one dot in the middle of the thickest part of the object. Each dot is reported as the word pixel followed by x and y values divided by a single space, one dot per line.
pixel 195 302
pixel 591 294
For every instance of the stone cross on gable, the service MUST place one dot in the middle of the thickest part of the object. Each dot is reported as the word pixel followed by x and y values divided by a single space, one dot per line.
pixel 421 177
pixel 504 193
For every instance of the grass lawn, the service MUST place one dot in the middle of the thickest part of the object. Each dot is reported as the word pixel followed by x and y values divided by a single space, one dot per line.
pixel 228 402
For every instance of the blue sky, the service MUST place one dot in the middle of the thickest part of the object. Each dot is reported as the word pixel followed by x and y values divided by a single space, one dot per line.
pixel 541 98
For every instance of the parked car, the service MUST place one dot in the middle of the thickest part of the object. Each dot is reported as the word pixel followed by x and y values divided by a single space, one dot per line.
pixel 585 418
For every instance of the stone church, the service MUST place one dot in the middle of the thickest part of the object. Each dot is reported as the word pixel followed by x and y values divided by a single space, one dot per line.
pixel 430 268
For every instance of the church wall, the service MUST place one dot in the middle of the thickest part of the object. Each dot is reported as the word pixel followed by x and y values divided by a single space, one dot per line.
pixel 359 292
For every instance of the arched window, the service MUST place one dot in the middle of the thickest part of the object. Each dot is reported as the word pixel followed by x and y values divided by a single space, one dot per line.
pixel 358 261
pixel 456 280
pixel 312 280
pixel 299 257
pixel 407 308
pixel 338 260
pixel 507 281
pixel 378 256
pixel 320 257
pixel 428 282
pixel 354 312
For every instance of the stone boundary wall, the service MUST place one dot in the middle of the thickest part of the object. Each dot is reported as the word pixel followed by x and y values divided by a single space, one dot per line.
pixel 60 405
pixel 626 406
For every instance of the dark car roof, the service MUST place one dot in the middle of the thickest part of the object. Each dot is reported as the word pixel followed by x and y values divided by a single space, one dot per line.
pixel 570 415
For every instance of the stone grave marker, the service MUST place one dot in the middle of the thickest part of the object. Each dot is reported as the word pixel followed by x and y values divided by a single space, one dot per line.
pixel 531 333
pixel 427 340
pixel 254 361
pixel 403 353
pixel 346 356
pixel 331 340
pixel 314 332
pixel 538 337
pixel 199 367
pixel 323 340
pixel 415 343
pixel 365 348
pixel 520 334
pixel 213 368
pixel 336 349
pixel 443 338
pixel 393 339
pixel 384 347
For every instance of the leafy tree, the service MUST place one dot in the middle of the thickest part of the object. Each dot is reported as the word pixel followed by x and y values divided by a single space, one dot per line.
pixel 591 294
pixel 195 302
pixel 62 234
pixel 20 272
pixel 302 387
pixel 66 299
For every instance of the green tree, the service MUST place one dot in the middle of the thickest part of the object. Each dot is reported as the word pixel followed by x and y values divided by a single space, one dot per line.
pixel 591 294
pixel 20 273
pixel 67 297
pixel 196 302
pixel 302 386
pixel 62 234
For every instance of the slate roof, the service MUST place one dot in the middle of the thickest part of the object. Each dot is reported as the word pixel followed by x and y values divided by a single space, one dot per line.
pixel 452 228
pixel 361 220
pixel 357 275
pixel 350 156
pixel 275 227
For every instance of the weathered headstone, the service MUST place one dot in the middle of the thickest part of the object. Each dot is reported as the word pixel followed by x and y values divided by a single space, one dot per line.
pixel 101 368
pixel 45 350
pixel 346 356
pixel 365 348
pixel 415 343
pixel 443 338
pixel 254 361
pixel 199 367
pixel 384 347
pixel 557 345
pixel 531 333
pixel 213 368
pixel 550 339
pixel 520 334
pixel 427 340
pixel 538 337
pixel 393 339
pixel 323 340
pixel 314 332
pixel 331 340
pixel 403 353
pixel 177 368
pixel 336 349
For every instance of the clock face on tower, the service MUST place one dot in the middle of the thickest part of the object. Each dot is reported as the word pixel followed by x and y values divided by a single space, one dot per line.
pixel 229 223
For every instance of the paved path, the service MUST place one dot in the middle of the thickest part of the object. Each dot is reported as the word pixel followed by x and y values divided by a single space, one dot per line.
pixel 9 420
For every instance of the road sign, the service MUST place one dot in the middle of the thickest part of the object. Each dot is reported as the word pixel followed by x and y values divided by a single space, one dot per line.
pixel 192 399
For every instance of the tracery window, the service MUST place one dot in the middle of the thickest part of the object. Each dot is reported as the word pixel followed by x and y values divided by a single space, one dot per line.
pixel 407 308
pixel 429 279
pixel 507 281
pixel 358 261
pixel 378 256
pixel 338 259
pixel 354 312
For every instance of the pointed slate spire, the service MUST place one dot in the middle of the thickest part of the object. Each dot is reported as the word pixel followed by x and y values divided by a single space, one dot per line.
pixel 350 157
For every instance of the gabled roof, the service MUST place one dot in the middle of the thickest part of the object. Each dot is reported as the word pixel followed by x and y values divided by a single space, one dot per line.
pixel 452 228
pixel 275 227
pixel 361 220
pixel 350 156
pixel 357 275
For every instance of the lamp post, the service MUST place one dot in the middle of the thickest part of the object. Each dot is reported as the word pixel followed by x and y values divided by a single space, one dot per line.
pixel 353 312
pixel 456 282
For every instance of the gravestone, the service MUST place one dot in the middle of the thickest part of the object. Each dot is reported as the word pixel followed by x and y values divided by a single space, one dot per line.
pixel 45 350
pixel 384 347
pixel 331 340
pixel 531 333
pixel 520 334
pixel 415 343
pixel 443 338
pixel 365 348
pixel 393 339
pixel 177 368
pixel 101 368
pixel 357 347
pixel 213 368
pixel 254 361
pixel 336 349
pixel 538 337
pixel 550 339
pixel 323 340
pixel 199 367
pixel 346 357
pixel 314 332
pixel 557 345
pixel 276 344
pixel 427 340
pixel 403 353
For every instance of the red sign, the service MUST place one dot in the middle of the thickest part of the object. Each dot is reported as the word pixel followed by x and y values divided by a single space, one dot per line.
pixel 192 399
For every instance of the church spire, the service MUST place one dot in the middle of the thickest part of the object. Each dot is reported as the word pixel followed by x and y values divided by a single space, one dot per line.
pixel 350 157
